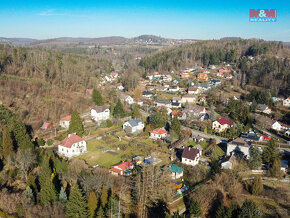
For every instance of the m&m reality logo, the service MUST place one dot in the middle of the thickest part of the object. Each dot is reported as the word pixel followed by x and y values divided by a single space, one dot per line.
pixel 263 15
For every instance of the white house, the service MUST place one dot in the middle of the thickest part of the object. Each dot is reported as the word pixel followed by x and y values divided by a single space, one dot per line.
pixel 264 109
pixel 133 126
pixel 188 98
pixel 65 121
pixel 238 145
pixel 176 171
pixel 129 100
pixel 193 90
pixel 158 134
pixel 277 126
pixel 147 94
pixel 139 102
pixel 286 102
pixel 100 113
pixel 167 78
pixel 173 89
pixel 72 145
pixel 228 162
pixel 190 156
pixel 163 103
pixel 222 124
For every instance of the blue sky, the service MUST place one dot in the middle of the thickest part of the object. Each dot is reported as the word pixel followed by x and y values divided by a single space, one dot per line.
pixel 182 19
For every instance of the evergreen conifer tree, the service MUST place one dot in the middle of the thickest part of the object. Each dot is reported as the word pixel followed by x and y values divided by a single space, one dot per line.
pixel 136 112
pixel 77 205
pixel 7 144
pixel 104 197
pixel 62 196
pixel 175 126
pixel 119 109
pixel 76 125
pixel 97 97
pixel 92 203
pixel 47 189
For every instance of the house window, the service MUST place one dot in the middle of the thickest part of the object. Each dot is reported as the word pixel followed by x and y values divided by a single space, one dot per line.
pixel 67 151
pixel 62 149
pixel 73 151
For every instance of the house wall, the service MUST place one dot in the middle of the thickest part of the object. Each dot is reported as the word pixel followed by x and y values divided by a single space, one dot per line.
pixel 231 147
pixel 75 150
pixel 100 116
pixel 190 162
pixel 64 123
pixel 218 127
pixel 157 136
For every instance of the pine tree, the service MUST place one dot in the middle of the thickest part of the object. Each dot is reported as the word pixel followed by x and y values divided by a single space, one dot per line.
pixel 255 160
pixel 270 153
pixel 119 109
pixel 21 136
pixel 62 196
pixel 7 144
pixel 100 213
pixel 104 197
pixel 136 112
pixel 97 97
pixel 175 126
pixel 29 194
pixel 92 203
pixel 275 169
pixel 47 189
pixel 77 205
pixel 76 125
pixel 195 209
pixel 249 209
pixel 257 187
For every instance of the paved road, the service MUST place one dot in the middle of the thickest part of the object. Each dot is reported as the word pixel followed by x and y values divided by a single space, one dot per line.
pixel 196 133
pixel 271 134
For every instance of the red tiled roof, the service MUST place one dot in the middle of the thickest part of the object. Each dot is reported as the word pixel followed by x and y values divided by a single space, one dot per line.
pixel 192 88
pixel 66 118
pixel 176 112
pixel 224 121
pixel 70 140
pixel 125 165
pixel 158 131
pixel 115 170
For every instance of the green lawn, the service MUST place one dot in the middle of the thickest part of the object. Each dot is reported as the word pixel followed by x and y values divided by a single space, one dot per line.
pixel 128 148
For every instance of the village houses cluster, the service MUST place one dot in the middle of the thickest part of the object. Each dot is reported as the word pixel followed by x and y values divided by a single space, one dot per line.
pixel 188 102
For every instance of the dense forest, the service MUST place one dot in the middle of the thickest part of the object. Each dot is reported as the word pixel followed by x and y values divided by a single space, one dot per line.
pixel 269 69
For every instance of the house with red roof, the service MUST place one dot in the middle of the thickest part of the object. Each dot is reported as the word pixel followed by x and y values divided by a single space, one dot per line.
pixel 121 168
pixel 65 121
pixel 222 124
pixel 158 134
pixel 72 145
pixel 45 126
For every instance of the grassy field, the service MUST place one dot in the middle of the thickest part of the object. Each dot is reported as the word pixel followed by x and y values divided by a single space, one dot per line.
pixel 109 150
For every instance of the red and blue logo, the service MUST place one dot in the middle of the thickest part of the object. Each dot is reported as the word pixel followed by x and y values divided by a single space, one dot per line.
pixel 263 15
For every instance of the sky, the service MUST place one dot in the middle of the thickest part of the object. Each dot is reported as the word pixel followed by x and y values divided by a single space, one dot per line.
pixel 179 19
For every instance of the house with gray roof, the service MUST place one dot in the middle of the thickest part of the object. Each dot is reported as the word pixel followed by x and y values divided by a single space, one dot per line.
pixel 133 126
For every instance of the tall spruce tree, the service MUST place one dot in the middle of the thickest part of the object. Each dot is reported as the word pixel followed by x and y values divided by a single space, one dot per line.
pixel 270 153
pixel 136 112
pixel 62 197
pixel 104 197
pixel 20 133
pixel 119 109
pixel 97 97
pixel 92 204
pixel 77 205
pixel 76 124
pixel 7 144
pixel 47 189
pixel 255 160
pixel 175 126
pixel 257 187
